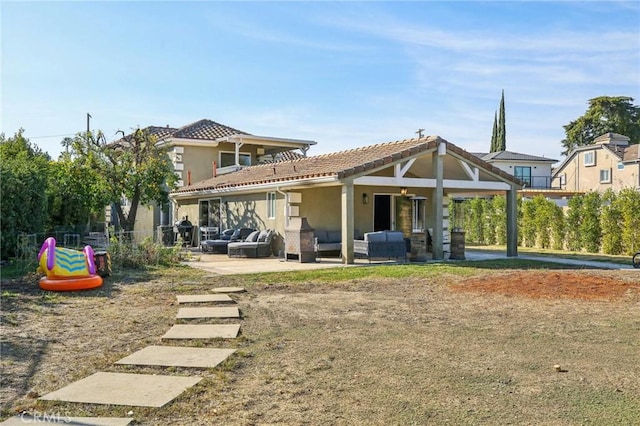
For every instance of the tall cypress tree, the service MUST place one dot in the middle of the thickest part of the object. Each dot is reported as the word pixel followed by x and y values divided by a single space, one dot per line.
pixel 494 135
pixel 501 144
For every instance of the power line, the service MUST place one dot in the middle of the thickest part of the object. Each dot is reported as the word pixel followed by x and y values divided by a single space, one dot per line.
pixel 51 136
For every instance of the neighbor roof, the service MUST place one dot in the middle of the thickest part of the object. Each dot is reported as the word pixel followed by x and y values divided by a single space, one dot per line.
pixel 512 156
pixel 201 129
pixel 632 153
pixel 206 129
pixel 338 165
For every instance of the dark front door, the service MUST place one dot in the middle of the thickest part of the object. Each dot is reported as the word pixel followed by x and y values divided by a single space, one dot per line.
pixel 381 212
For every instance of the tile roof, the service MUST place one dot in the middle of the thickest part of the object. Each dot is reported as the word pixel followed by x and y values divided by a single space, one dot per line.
pixel 338 165
pixel 205 129
pixel 201 129
pixel 160 132
pixel 632 153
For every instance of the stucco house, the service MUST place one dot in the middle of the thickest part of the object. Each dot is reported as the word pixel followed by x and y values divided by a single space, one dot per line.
pixel 201 150
pixel 354 191
pixel 532 170
pixel 535 172
pixel 609 162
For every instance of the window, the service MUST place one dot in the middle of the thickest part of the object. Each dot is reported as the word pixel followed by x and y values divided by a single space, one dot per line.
pixel 524 174
pixel 590 158
pixel 229 159
pixel 563 179
pixel 605 176
pixel 418 223
pixel 271 205
pixel 209 213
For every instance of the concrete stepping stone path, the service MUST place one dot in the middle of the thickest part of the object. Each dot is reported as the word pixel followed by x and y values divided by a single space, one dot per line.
pixel 203 298
pixel 178 356
pixel 217 312
pixel 141 390
pixel 59 419
pixel 228 290
pixel 203 331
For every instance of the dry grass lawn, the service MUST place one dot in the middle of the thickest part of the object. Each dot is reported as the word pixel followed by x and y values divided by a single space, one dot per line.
pixel 435 344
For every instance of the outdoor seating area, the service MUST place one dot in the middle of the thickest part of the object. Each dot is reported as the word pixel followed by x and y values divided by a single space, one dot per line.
pixel 381 245
pixel 256 244
pixel 219 245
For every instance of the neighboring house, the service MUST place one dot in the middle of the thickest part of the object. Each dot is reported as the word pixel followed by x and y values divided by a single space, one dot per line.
pixel 533 171
pixel 354 191
pixel 205 149
pixel 609 162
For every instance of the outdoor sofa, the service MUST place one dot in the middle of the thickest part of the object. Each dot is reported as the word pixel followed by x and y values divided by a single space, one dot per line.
pixel 257 244
pixel 327 241
pixel 219 245
pixel 381 245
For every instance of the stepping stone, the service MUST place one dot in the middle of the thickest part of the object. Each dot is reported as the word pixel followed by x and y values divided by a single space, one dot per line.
pixel 229 290
pixel 60 419
pixel 200 298
pixel 140 390
pixel 203 331
pixel 176 356
pixel 231 312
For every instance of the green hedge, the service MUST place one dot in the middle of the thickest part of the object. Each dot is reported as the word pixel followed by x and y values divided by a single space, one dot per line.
pixel 593 222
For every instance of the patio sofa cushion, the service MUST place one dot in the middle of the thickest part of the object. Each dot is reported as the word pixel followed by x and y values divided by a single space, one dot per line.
pixel 241 233
pixel 381 244
pixel 262 237
pixel 226 234
pixel 252 246
pixel 252 237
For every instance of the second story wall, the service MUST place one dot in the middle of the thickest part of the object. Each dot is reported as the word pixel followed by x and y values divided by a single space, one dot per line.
pixel 535 174
pixel 597 169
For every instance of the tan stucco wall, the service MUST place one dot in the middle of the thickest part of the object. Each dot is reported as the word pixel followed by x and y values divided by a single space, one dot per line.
pixel 199 160
pixel 587 178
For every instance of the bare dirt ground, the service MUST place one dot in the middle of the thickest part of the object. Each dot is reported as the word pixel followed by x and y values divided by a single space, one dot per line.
pixel 438 348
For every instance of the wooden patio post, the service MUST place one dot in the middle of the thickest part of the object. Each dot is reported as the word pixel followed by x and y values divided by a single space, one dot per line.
pixel 512 222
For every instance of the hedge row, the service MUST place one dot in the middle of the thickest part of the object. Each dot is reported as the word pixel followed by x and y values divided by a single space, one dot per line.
pixel 595 223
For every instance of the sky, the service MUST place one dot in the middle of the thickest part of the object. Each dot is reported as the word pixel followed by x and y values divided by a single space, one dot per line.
pixel 344 74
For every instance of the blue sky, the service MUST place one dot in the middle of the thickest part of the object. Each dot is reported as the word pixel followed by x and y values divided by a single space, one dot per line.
pixel 344 74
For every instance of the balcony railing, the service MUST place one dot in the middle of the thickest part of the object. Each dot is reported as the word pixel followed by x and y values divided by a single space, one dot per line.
pixel 540 182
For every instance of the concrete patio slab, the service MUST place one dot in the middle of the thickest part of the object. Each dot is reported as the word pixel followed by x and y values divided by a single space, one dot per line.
pixel 59 419
pixel 229 290
pixel 217 312
pixel 203 331
pixel 140 390
pixel 202 298
pixel 178 356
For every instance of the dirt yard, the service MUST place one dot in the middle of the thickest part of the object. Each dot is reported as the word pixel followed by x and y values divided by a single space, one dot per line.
pixel 471 346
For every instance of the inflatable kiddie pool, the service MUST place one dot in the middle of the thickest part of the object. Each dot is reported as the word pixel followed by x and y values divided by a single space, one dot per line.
pixel 66 269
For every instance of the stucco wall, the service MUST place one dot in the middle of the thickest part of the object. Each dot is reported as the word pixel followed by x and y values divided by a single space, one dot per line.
pixel 199 159
pixel 587 178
